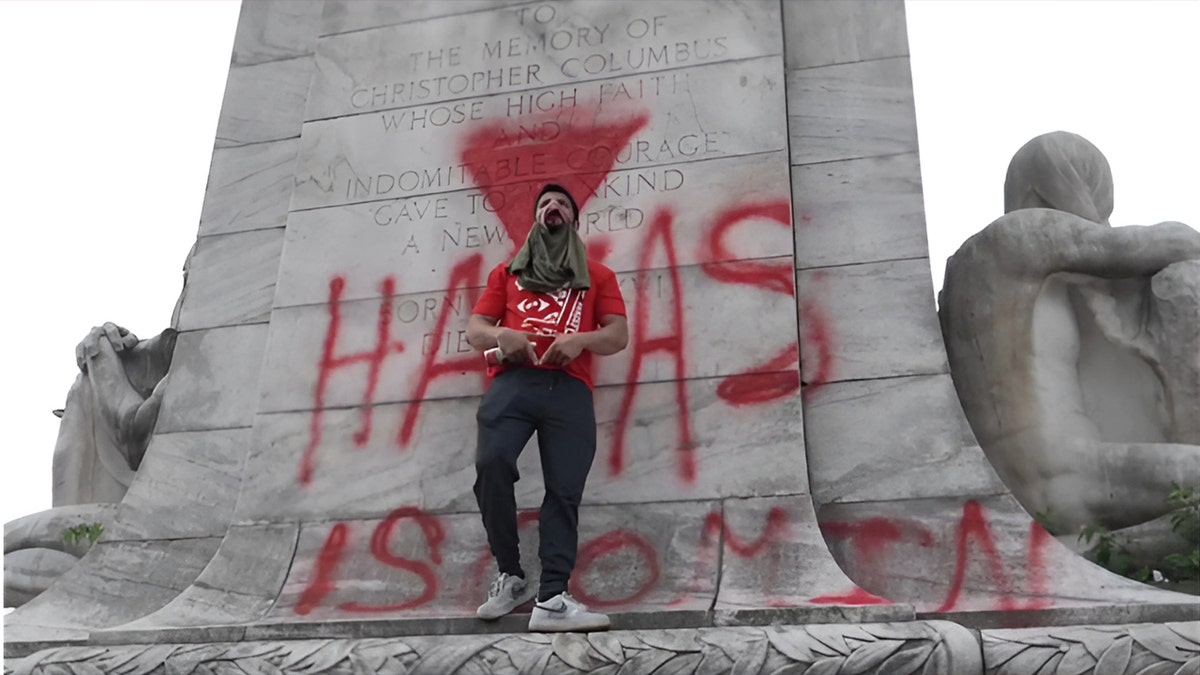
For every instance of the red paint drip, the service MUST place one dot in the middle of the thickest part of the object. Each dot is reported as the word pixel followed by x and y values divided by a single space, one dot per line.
pixel 308 462
pixel 818 337
pixel 434 535
pixel 383 346
pixel 974 525
pixel 643 346
pixel 857 596
pixel 329 363
pixel 1035 564
pixel 324 579
pixel 607 544
pixel 466 275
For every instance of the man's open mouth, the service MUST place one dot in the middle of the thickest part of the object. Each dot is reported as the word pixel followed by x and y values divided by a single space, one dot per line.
pixel 553 216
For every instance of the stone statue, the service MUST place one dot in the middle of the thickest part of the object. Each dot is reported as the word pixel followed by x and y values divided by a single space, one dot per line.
pixel 1075 346
pixel 106 425
pixel 110 413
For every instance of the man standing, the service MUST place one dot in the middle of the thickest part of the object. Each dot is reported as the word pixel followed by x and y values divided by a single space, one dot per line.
pixel 547 311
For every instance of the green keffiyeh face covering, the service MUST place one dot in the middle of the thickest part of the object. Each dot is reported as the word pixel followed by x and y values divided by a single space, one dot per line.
pixel 553 257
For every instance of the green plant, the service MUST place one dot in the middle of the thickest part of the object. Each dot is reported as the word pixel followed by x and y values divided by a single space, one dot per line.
pixel 82 532
pixel 1109 550
pixel 1185 512
pixel 1184 516
pixel 1185 521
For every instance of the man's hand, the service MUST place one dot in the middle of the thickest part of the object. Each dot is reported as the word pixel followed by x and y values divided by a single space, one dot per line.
pixel 564 349
pixel 515 347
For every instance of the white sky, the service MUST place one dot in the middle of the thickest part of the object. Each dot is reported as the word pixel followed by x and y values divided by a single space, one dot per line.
pixel 110 111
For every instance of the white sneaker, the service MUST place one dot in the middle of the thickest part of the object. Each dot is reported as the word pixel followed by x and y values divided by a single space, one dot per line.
pixel 506 594
pixel 564 614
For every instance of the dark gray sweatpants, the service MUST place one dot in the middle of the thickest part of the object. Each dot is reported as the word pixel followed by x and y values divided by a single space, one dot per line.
pixel 559 408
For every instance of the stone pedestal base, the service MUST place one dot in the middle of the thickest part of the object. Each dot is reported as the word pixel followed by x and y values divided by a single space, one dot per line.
pixel 926 647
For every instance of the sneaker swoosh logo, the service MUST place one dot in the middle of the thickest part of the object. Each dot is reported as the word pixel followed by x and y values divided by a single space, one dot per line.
pixel 558 610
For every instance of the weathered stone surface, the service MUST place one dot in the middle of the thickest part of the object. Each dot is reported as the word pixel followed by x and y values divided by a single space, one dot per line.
pixel 875 648
pixel 436 148
pixel 343 16
pixel 858 211
pixel 1176 292
pixel 1138 648
pixel 869 321
pixel 721 209
pixel 274 31
pixel 249 187
pixel 217 373
pixel 113 584
pixel 858 30
pixel 914 434
pixel 500 51
pixel 231 279
pixel 187 487
pixel 264 102
pixel 29 571
pixel 850 111
pixel 734 451
pixel 983 562
pixel 238 585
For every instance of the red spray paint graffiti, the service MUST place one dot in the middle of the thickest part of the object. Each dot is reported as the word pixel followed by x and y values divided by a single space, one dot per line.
pixel 874 540
pixel 672 343
pixel 466 276
pixel 324 579
pixel 493 153
pixel 975 525
pixel 579 153
pixel 330 363
pixel 855 596
pixel 631 548
pixel 771 276
pixel 818 336
pixel 609 544
pixel 776 528
pixel 568 152
pixel 767 383
pixel 819 339
pixel 434 535
pixel 718 531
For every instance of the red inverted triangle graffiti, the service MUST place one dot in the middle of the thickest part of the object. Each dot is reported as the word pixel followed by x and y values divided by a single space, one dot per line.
pixel 512 158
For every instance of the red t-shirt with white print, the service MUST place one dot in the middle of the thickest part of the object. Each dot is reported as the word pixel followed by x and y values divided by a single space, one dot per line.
pixel 546 315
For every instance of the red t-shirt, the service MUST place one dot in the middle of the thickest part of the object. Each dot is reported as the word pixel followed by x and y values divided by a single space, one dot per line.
pixel 546 315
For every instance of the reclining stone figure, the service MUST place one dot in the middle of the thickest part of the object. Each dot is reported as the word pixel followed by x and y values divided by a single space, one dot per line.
pixel 106 426
pixel 1075 346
